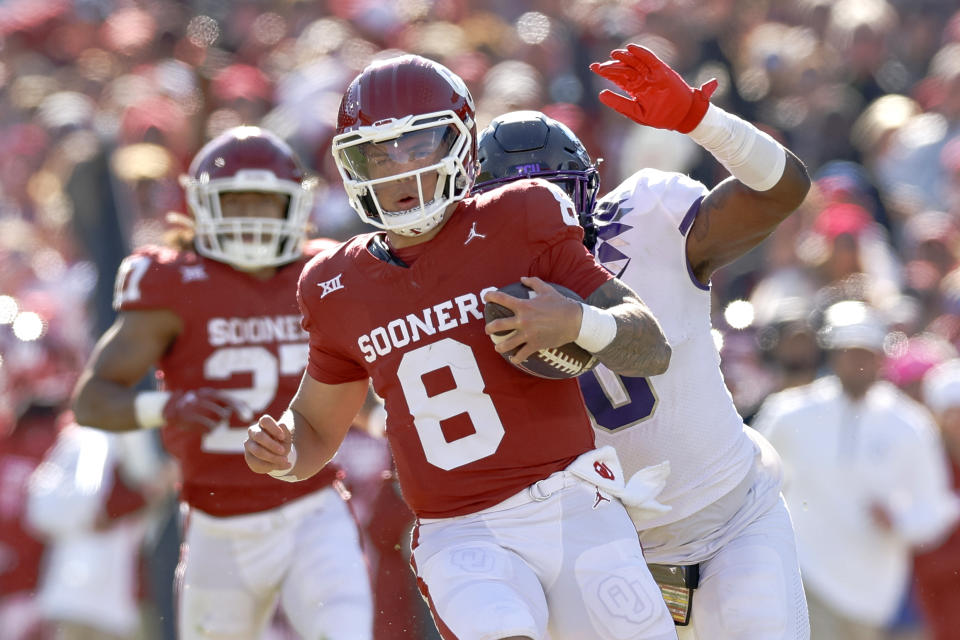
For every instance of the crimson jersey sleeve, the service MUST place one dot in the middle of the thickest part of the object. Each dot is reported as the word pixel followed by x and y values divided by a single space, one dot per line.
pixel 148 279
pixel 554 230
pixel 326 363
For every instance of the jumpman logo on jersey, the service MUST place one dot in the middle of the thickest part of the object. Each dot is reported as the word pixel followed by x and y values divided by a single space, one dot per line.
pixel 473 234
pixel 600 498
pixel 330 285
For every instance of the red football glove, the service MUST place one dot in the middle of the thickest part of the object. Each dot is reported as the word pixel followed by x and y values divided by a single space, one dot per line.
pixel 658 96
pixel 204 409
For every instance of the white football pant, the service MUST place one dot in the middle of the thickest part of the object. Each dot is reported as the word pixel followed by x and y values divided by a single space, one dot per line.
pixel 569 564
pixel 750 587
pixel 306 554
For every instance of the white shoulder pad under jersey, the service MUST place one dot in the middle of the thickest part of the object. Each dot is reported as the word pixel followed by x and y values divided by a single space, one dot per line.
pixel 685 415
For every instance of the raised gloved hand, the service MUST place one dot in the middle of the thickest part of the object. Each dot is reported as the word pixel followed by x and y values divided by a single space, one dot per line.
pixel 656 94
pixel 204 409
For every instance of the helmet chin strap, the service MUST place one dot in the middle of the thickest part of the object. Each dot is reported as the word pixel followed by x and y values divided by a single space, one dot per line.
pixel 423 225
pixel 423 207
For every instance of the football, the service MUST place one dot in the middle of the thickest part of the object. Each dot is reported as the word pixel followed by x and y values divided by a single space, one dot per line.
pixel 566 361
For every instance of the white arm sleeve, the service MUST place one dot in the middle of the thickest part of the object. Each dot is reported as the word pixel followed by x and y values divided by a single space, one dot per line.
pixel 750 155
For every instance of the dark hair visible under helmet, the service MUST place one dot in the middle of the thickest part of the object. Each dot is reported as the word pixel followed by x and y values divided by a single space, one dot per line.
pixel 530 144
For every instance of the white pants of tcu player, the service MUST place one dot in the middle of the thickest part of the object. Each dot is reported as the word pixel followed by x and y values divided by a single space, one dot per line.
pixel 565 561
pixel 750 587
pixel 306 553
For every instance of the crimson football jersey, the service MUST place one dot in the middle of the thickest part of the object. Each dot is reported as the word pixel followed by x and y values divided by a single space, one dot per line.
pixel 240 334
pixel 466 428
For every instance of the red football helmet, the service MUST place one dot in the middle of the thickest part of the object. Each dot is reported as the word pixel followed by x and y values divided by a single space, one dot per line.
pixel 413 116
pixel 248 159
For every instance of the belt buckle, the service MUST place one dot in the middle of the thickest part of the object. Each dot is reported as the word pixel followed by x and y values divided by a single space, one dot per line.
pixel 537 493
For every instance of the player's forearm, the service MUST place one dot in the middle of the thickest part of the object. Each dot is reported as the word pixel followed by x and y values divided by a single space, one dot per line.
pixel 639 347
pixel 789 192
pixel 104 405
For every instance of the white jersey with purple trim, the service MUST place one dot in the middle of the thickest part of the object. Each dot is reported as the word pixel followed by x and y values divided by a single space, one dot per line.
pixel 685 415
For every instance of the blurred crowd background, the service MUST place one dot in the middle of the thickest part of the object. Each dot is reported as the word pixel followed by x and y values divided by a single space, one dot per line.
pixel 103 103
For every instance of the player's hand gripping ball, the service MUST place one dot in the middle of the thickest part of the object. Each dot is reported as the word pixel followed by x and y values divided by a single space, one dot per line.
pixel 566 361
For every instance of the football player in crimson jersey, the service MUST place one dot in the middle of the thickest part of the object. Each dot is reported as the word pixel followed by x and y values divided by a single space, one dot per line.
pixel 219 319
pixel 665 234
pixel 519 531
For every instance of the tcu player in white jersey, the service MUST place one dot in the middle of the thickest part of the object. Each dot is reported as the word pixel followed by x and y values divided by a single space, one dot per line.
pixel 218 317
pixel 727 530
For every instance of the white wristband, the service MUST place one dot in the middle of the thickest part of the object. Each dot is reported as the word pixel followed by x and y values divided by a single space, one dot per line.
pixel 148 408
pixel 750 155
pixel 598 328
pixel 284 474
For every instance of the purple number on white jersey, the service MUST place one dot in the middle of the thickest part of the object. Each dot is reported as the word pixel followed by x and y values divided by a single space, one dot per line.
pixel 616 402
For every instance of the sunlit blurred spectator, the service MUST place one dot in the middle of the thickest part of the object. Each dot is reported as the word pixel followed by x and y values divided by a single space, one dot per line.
pixel 871 133
pixel 38 366
pixel 865 479
pixel 909 359
pixel 929 244
pixel 851 257
pixel 788 340
pixel 861 32
pixel 876 136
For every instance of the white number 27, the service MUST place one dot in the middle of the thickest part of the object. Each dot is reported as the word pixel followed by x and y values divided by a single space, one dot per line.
pixel 265 368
